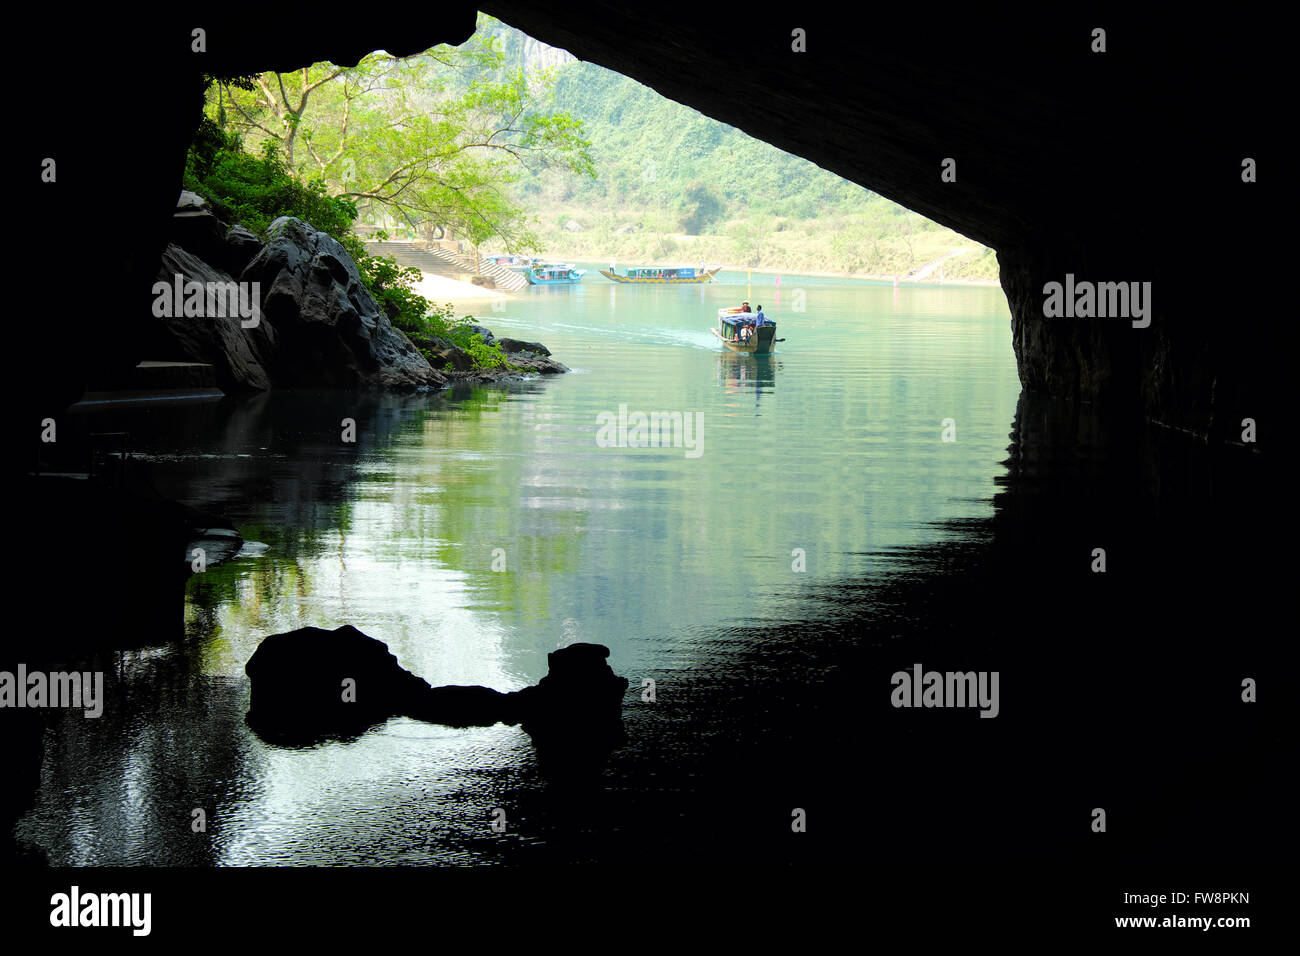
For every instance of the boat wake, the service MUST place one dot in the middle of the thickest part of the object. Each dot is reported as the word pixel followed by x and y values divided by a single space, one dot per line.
pixel 690 338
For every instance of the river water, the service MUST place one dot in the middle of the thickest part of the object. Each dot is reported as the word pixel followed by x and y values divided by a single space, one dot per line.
pixel 475 530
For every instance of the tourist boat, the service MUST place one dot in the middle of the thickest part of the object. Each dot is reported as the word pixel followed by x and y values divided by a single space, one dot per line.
pixel 510 262
pixel 759 342
pixel 676 275
pixel 554 274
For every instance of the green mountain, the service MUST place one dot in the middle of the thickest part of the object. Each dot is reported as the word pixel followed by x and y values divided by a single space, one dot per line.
pixel 673 183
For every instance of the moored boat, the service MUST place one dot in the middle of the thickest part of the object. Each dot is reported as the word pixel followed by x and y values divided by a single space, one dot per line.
pixel 663 275
pixel 738 333
pixel 554 274
pixel 510 261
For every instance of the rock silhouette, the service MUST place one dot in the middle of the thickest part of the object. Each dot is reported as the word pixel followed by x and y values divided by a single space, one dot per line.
pixel 312 684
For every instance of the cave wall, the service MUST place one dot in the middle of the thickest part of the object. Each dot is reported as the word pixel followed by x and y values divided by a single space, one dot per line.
pixel 1115 166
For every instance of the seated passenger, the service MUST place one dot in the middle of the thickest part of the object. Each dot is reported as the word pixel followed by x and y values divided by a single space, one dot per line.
pixel 744 307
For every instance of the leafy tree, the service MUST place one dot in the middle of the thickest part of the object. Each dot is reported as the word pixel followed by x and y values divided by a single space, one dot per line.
pixel 255 189
pixel 439 137
pixel 700 207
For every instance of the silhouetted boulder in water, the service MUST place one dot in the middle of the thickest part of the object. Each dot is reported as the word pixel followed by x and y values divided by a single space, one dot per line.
pixel 311 684
pixel 300 686
pixel 574 713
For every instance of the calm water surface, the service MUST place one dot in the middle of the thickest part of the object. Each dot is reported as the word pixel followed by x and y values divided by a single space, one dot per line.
pixel 830 449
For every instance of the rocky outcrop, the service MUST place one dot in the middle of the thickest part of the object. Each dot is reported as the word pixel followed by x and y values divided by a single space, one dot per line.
pixel 317 324
pixel 237 355
pixel 197 230
pixel 450 359
pixel 241 248
pixel 515 346
pixel 533 362
pixel 311 684
pixel 531 356
pixel 329 328
pixel 524 357
pixel 484 333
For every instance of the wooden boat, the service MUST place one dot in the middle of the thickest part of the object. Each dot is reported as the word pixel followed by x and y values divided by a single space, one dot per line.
pixel 760 342
pixel 554 274
pixel 658 275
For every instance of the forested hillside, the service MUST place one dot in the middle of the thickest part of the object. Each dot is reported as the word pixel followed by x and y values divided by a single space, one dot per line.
pixel 673 184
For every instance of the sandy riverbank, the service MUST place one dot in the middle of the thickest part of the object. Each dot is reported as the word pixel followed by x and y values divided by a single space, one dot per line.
pixel 924 276
pixel 874 277
pixel 440 288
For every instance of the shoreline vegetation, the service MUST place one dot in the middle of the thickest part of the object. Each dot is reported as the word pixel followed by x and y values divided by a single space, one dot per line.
pixel 930 279
pixel 789 247
pixel 677 187
pixel 441 287
pixel 254 190
pixel 571 178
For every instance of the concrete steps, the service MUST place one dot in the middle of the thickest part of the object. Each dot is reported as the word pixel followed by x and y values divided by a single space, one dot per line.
pixel 507 280
pixel 417 257
pixel 153 381
pixel 440 262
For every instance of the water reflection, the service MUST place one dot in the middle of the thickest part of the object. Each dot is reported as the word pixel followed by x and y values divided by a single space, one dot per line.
pixel 740 373
pixel 780 702
pixel 478 530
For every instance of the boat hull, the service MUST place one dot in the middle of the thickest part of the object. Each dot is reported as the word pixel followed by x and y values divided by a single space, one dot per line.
pixel 760 343
pixel 693 280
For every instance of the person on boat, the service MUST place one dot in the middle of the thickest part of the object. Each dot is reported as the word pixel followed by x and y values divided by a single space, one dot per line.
pixel 760 318
pixel 744 307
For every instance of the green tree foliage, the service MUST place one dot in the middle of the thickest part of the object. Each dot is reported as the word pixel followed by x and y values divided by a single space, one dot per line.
pixel 700 207
pixel 393 287
pixel 434 138
pixel 439 138
pixel 254 189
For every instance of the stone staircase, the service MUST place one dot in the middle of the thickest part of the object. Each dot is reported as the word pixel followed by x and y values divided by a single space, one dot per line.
pixel 440 262
pixel 507 280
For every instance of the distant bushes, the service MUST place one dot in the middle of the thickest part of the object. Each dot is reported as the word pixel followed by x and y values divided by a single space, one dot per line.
pixel 831 243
